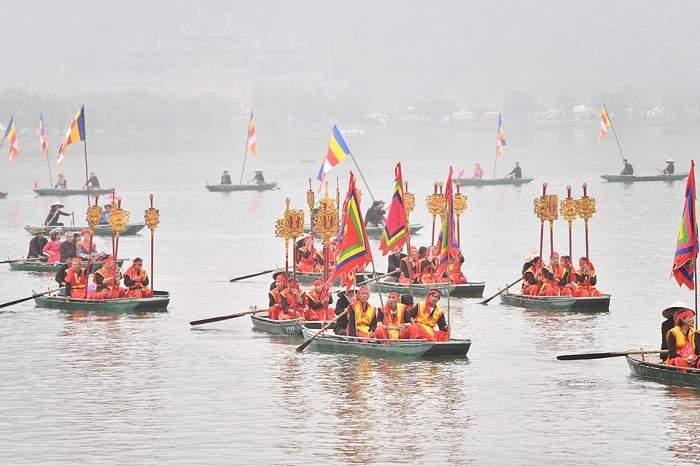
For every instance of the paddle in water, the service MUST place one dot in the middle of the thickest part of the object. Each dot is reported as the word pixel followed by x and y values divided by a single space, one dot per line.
pixel 612 354
pixel 303 346
pixel 486 301
pixel 254 275
pixel 232 316
pixel 17 301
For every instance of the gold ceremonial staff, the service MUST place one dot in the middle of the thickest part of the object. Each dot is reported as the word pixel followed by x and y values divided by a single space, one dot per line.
pixel 326 227
pixel 290 226
pixel 152 218
pixel 94 213
pixel 409 200
pixel 585 208
pixel 436 205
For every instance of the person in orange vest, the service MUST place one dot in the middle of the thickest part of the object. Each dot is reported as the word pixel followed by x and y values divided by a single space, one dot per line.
pixel 683 342
pixel 392 320
pixel 76 280
pixel 425 316
pixel 409 267
pixel 107 280
pixel 362 316
pixel 671 314
pixel 308 259
pixel 426 265
pixel 317 301
pixel 278 300
pixel 555 278
pixel 454 269
pixel 532 277
pixel 136 281
pixel 586 280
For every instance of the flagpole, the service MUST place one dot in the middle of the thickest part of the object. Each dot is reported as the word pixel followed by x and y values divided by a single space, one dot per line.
pixel 363 176
pixel 87 178
pixel 245 154
pixel 494 164
pixel 614 133
pixel 48 164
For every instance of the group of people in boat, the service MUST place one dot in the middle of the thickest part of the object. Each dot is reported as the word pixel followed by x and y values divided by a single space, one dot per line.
pixel 516 173
pixel 92 182
pixel 258 178
pixel 628 169
pixel 106 281
pixel 356 317
pixel 420 266
pixel 56 250
pixel 559 277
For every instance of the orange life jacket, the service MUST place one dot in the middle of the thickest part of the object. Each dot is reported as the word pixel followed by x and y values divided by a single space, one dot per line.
pixel 425 320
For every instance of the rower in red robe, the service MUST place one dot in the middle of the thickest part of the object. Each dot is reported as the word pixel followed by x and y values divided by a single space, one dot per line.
pixel 308 258
pixel 107 281
pixel 136 281
pixel 586 280
pixel 317 301
pixel 532 277
pixel 426 315
pixel 76 280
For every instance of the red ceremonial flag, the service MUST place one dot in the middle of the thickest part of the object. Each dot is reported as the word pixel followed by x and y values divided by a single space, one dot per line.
pixel 396 227
pixel 252 144
pixel 687 244
pixel 447 241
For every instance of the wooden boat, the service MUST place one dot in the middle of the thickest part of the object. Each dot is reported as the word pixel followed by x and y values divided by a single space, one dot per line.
pixel 648 366
pixel 418 290
pixel 100 230
pixel 241 187
pixel 2 195
pixel 43 267
pixel 556 303
pixel 70 192
pixel 310 277
pixel 377 231
pixel 635 178
pixel 332 343
pixel 492 181
pixel 159 302
pixel 263 323
pixel 468 290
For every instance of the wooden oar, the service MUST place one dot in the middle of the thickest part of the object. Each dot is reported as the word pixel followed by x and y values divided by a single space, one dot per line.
pixel 17 301
pixel 486 301
pixel 303 346
pixel 9 261
pixel 613 354
pixel 255 274
pixel 232 316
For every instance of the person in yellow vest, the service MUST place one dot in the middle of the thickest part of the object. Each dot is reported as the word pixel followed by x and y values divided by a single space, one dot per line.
pixel 393 320
pixel 362 316
pixel 425 316
pixel 683 342
pixel 136 281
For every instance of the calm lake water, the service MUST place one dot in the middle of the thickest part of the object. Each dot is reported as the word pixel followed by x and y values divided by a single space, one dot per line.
pixel 92 388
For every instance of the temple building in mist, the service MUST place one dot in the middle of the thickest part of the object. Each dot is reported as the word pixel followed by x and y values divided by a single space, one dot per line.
pixel 211 56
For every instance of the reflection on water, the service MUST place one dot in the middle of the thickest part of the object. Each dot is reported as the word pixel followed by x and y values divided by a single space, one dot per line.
pixel 683 423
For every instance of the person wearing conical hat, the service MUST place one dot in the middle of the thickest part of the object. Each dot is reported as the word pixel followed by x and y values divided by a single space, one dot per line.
pixel 426 315
pixel 52 219
pixel 670 313
pixel 682 341
pixel 36 245
pixel 670 168
pixel 258 178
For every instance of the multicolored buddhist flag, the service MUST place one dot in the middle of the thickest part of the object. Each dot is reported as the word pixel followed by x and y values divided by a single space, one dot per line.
pixel 604 123
pixel 395 229
pixel 447 241
pixel 11 136
pixel 501 138
pixel 252 145
pixel 687 244
pixel 75 133
pixel 336 153
pixel 43 141
pixel 353 246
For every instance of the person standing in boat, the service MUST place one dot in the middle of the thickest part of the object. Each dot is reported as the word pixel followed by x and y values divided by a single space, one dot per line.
pixel 258 178
pixel 362 316
pixel 37 244
pixel 53 247
pixel 628 169
pixel 670 167
pixel 55 214
pixel 393 320
pixel 478 172
pixel 670 313
pixel 61 183
pixel 425 316
pixel 317 301
pixel 92 182
pixel 136 281
pixel 375 215
pixel 516 173
pixel 683 341
pixel 225 178
pixel 345 298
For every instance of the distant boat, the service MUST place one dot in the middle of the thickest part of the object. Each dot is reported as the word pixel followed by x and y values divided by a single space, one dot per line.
pixel 492 181
pixel 2 195
pixel 70 192
pixel 635 178
pixel 100 230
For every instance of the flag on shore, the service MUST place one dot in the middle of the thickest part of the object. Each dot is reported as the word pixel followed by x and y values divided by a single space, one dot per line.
pixel 501 138
pixel 604 123
pixel 353 247
pixel 336 153
pixel 11 136
pixel 252 145
pixel 396 230
pixel 687 243
pixel 75 133
pixel 447 241
pixel 43 141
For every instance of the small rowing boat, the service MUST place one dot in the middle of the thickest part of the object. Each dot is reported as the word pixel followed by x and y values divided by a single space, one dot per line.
pixel 221 188
pixel 649 366
pixel 263 323
pixel 376 232
pixel 492 181
pixel 100 230
pixel 332 343
pixel 418 289
pixel 635 178
pixel 3 195
pixel 70 192
pixel 159 302
pixel 309 277
pixel 556 303
pixel 43 267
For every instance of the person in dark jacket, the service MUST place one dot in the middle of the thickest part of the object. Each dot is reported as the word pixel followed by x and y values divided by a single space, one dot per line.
pixel 394 260
pixel 375 216
pixel 225 178
pixel 36 245
pixel 670 168
pixel 68 247
pixel 345 298
pixel 628 168
pixel 54 215
pixel 61 275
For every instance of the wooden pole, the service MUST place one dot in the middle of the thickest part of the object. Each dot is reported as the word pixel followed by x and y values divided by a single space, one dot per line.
pixel 87 176
pixel 245 153
pixel 614 134
pixel 48 164
pixel 363 176
pixel 544 193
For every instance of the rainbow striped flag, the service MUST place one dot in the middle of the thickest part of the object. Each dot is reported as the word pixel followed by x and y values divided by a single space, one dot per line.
pixel 11 135
pixel 43 141
pixel 447 241
pixel 687 244
pixel 395 229
pixel 354 252
pixel 501 138
pixel 75 133
pixel 336 153
pixel 604 123
pixel 252 145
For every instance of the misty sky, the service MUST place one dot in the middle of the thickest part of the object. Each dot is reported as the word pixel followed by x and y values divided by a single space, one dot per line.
pixel 392 51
